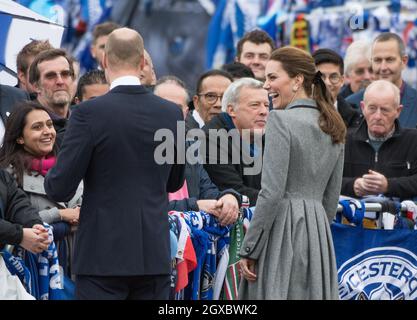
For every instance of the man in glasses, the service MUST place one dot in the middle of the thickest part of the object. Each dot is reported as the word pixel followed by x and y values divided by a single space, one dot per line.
pixel 52 76
pixel 330 64
pixel 358 69
pixel 208 98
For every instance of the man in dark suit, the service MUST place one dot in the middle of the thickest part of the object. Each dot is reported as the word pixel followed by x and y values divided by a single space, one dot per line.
pixel 122 248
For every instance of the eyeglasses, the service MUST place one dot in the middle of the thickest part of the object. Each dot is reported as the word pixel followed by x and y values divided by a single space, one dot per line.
pixel 334 78
pixel 54 75
pixel 211 97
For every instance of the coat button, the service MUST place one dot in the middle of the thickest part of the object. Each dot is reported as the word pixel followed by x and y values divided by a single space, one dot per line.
pixel 247 249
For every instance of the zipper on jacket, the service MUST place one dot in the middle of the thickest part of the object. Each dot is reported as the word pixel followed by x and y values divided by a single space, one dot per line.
pixel 408 165
pixel 376 157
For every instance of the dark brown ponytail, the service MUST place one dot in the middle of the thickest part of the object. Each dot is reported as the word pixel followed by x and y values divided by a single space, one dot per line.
pixel 330 120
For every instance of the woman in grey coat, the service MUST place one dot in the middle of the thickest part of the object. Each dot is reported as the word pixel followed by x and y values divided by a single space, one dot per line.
pixel 288 251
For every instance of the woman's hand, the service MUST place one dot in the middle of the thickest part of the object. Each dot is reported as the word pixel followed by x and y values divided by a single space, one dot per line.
pixel 35 239
pixel 247 267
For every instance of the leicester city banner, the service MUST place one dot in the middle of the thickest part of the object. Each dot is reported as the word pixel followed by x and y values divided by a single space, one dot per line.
pixel 375 264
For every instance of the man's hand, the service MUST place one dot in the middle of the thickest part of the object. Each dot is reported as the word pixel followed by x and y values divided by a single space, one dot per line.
pixel 375 182
pixel 210 206
pixel 359 187
pixel 229 209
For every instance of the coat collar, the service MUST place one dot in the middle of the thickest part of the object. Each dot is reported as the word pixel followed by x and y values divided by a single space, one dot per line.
pixel 134 89
pixel 310 103
pixel 361 133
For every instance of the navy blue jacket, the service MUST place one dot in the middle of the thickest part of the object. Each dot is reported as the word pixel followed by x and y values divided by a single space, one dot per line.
pixel 110 144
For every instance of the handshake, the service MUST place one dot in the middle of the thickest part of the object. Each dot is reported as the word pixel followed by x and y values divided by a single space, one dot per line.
pixel 226 209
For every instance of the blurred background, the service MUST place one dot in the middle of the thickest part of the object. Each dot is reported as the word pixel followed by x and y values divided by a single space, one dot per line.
pixel 187 37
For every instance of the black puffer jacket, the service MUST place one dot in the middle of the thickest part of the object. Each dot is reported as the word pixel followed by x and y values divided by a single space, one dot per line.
pixel 16 211
pixel 396 159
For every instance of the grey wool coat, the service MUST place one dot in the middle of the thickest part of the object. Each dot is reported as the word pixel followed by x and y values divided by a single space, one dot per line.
pixel 48 209
pixel 289 234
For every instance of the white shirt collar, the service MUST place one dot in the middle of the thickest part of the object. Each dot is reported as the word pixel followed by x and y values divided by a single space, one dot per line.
pixel 125 81
pixel 335 105
pixel 197 118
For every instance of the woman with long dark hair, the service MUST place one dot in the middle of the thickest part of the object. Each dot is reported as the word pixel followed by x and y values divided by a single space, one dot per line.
pixel 28 152
pixel 288 251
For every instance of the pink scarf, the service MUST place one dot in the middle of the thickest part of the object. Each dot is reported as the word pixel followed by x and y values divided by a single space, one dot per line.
pixel 179 194
pixel 42 165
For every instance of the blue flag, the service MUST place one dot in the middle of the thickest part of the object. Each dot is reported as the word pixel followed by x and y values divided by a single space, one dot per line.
pixel 375 264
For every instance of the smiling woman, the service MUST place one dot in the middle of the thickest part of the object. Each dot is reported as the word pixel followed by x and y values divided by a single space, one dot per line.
pixel 287 252
pixel 29 152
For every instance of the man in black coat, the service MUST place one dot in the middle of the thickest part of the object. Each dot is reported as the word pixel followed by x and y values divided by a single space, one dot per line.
pixel 203 194
pixel 380 156
pixel 122 248
pixel 234 139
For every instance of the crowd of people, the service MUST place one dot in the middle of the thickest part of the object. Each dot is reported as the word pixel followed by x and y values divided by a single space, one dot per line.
pixel 290 130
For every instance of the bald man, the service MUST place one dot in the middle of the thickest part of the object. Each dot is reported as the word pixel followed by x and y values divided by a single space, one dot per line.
pixel 381 156
pixel 122 249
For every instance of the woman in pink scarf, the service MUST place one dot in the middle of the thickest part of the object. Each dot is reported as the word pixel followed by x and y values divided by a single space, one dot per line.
pixel 28 152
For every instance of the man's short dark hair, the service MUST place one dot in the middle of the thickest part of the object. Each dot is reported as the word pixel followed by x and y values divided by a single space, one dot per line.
pixel 104 29
pixel 328 56
pixel 238 70
pixel 47 55
pixel 387 36
pixel 256 36
pixel 89 78
pixel 212 73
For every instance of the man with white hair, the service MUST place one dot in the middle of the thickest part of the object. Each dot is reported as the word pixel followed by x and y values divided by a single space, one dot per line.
pixel 381 156
pixel 245 108
pixel 358 69
pixel 203 195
